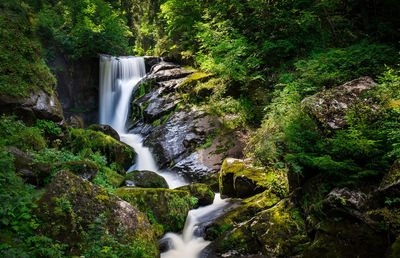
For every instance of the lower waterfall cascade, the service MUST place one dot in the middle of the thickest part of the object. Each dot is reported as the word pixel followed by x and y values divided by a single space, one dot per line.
pixel 119 77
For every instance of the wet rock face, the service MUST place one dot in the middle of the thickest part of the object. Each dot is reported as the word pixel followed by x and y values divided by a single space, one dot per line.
pixel 106 129
pixel 78 86
pixel 39 105
pixel 174 140
pixel 70 205
pixel 390 185
pixel 329 107
pixel 145 179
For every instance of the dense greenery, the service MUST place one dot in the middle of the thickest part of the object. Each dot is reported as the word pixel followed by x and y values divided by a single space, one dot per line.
pixel 257 60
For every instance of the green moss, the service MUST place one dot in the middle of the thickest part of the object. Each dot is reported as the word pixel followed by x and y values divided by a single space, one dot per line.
pixel 264 178
pixel 156 122
pixel 165 207
pixel 193 79
pixel 22 69
pixel 202 192
pixel 113 150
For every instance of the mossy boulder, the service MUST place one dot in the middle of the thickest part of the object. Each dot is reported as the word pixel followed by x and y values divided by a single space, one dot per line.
pixel 112 149
pixel 166 209
pixel 71 205
pixel 275 232
pixel 145 179
pixel 35 173
pixel 201 191
pixel 241 212
pixel 106 129
pixel 239 178
pixel 86 169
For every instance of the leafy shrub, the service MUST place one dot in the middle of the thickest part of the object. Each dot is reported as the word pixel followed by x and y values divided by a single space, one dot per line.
pixel 22 68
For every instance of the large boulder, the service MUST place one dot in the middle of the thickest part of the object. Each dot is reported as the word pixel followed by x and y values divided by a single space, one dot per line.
pixel 275 232
pixel 202 192
pixel 239 178
pixel 145 179
pixel 166 209
pixel 71 205
pixel 112 149
pixel 330 106
pixel 39 105
pixel 106 129
pixel 86 169
pixel 76 121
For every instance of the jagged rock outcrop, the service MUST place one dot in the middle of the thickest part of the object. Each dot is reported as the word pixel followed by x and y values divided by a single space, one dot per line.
pixel 329 107
pixel 70 205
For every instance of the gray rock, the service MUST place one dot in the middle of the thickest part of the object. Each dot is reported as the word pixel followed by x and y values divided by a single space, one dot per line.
pixel 150 61
pixel 76 121
pixel 191 167
pixel 39 105
pixel 329 107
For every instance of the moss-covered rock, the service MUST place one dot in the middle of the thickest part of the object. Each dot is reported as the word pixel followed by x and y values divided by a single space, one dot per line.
pixel 145 179
pixel 35 173
pixel 113 150
pixel 275 232
pixel 70 205
pixel 106 129
pixel 201 191
pixel 166 209
pixel 243 212
pixel 238 178
pixel 84 168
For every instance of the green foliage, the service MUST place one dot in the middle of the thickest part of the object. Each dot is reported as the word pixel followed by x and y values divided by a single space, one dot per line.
pixel 100 243
pixel 14 132
pixel 333 67
pixel 82 29
pixel 48 127
pixel 22 69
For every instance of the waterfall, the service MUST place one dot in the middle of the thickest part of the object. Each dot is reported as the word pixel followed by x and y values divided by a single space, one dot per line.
pixel 119 77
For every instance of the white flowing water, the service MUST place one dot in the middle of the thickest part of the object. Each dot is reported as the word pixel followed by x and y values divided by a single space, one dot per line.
pixel 119 77
pixel 187 244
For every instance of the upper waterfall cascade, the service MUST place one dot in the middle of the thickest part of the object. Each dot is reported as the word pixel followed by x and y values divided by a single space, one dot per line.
pixel 118 78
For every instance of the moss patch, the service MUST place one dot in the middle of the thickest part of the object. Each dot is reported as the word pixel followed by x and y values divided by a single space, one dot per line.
pixel 165 208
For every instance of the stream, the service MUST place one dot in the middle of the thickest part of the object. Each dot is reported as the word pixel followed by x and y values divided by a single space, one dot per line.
pixel 119 77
